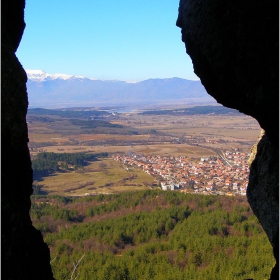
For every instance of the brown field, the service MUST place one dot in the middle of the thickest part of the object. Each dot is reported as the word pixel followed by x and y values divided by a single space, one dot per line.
pixel 237 131
pixel 233 129
pixel 58 138
pixel 45 137
pixel 162 150
pixel 230 126
pixel 110 137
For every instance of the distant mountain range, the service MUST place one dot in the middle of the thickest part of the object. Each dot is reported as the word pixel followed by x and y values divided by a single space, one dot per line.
pixel 61 90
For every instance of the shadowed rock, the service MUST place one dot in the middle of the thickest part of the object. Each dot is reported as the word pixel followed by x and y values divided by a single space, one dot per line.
pixel 24 253
pixel 234 48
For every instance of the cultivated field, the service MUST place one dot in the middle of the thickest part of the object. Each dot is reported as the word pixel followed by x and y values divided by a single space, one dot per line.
pixel 162 150
pixel 192 136
pixel 103 176
pixel 231 128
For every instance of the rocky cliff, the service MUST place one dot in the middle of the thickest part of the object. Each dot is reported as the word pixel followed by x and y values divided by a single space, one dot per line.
pixel 234 48
pixel 24 254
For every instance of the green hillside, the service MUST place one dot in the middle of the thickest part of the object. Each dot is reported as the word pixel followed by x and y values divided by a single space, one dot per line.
pixel 153 235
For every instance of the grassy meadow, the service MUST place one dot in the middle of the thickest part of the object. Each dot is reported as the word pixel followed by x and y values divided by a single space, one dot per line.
pixel 102 176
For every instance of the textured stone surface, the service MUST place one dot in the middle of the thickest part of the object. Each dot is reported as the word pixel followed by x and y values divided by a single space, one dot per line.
pixel 263 190
pixel 24 254
pixel 234 47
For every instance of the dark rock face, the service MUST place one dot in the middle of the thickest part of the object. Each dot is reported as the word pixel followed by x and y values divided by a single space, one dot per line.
pixel 234 48
pixel 24 254
pixel 263 192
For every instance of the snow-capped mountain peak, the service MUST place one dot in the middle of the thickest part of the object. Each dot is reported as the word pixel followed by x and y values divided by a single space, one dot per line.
pixel 59 89
pixel 37 75
pixel 40 76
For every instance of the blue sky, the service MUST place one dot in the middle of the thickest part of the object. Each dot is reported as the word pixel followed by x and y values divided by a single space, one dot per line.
pixel 108 39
